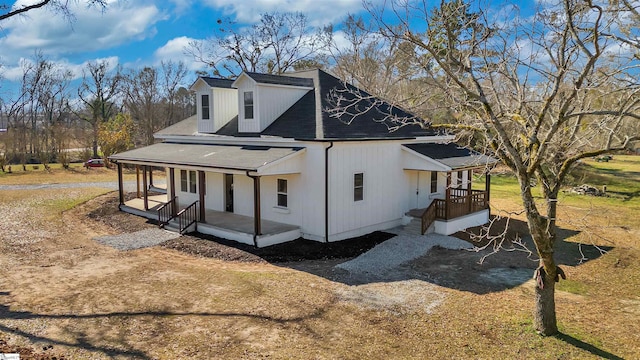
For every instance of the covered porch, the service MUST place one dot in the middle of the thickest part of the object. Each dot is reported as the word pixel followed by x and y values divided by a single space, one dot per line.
pixel 218 223
pixel 191 209
pixel 454 204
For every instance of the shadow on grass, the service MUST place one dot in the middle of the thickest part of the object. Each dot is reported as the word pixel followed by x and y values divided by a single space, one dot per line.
pixel 120 349
pixel 479 272
pixel 587 347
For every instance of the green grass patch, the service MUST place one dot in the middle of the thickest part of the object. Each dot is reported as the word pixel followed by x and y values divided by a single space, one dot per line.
pixel 572 286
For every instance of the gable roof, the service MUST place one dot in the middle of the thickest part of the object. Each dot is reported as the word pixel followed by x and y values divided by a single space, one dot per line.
pixel 279 79
pixel 217 82
pixel 452 155
pixel 309 118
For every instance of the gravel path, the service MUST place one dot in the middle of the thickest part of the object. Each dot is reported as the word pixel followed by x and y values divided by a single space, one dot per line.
pixel 137 240
pixel 128 185
pixel 399 250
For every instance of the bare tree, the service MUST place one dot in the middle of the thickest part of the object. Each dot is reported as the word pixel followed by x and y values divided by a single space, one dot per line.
pixel 143 99
pixel 98 92
pixel 274 45
pixel 11 9
pixel 540 93
pixel 172 75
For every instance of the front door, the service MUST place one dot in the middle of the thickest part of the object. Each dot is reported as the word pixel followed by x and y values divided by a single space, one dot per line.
pixel 228 192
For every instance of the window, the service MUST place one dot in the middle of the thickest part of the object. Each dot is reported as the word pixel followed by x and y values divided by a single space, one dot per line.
pixel 358 186
pixel 183 180
pixel 434 182
pixel 248 105
pixel 282 193
pixel 192 181
pixel 205 107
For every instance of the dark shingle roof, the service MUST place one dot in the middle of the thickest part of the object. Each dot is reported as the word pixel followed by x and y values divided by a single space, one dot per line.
pixel 373 114
pixel 452 155
pixel 280 80
pixel 217 82
pixel 308 118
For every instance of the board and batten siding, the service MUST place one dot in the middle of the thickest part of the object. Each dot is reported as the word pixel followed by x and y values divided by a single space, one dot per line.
pixel 214 198
pixel 269 102
pixel 273 101
pixel 224 107
pixel 385 188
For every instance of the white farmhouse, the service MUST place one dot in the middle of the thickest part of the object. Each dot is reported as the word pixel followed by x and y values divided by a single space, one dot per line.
pixel 267 159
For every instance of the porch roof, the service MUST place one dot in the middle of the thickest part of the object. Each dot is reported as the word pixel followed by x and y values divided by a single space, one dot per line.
pixel 227 157
pixel 447 157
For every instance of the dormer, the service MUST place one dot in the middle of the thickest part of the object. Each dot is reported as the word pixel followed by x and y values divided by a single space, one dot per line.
pixel 216 101
pixel 262 98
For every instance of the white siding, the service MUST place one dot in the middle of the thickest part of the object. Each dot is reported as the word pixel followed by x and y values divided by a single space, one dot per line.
pixel 269 210
pixel 273 101
pixel 205 125
pixel 385 187
pixel 214 199
pixel 248 125
pixel 224 107
pixel 243 195
pixel 269 102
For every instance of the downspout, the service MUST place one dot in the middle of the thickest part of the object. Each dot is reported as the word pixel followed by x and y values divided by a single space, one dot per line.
pixel 326 192
pixel 256 207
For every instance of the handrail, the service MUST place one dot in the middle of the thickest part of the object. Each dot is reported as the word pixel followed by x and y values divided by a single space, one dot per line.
pixel 166 212
pixel 188 216
pixel 428 217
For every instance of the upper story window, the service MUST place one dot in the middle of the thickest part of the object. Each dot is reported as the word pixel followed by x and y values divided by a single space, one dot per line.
pixel 358 187
pixel 434 182
pixel 282 193
pixel 248 104
pixel 205 107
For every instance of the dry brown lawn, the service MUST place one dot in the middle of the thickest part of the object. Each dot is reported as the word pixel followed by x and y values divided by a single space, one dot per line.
pixel 63 295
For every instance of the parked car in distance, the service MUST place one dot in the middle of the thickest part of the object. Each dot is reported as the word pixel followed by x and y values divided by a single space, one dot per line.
pixel 94 163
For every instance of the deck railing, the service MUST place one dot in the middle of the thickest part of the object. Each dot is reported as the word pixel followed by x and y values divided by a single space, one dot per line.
pixel 428 217
pixel 166 212
pixel 188 216
pixel 461 202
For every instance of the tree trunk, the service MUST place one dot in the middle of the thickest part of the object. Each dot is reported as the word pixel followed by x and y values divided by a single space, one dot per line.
pixel 544 316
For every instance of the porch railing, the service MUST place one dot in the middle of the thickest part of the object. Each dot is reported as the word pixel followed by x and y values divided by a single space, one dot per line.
pixel 461 202
pixel 428 217
pixel 166 212
pixel 188 216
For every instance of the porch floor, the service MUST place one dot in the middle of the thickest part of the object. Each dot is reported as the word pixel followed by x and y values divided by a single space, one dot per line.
pixel 219 219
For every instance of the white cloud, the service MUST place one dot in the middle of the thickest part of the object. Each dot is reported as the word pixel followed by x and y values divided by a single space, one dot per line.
pixel 174 50
pixel 318 12
pixel 91 30
pixel 15 72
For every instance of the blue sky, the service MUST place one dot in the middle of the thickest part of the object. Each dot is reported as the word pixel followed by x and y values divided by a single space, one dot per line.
pixel 137 33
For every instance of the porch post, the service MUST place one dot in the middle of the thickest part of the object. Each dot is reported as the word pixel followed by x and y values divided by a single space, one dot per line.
pixel 487 187
pixel 469 194
pixel 150 176
pixel 144 189
pixel 256 206
pixel 202 189
pixel 447 196
pixel 172 191
pixel 137 181
pixel 120 185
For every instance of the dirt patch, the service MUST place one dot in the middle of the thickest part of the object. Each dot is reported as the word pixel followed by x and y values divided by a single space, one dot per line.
pixel 104 210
